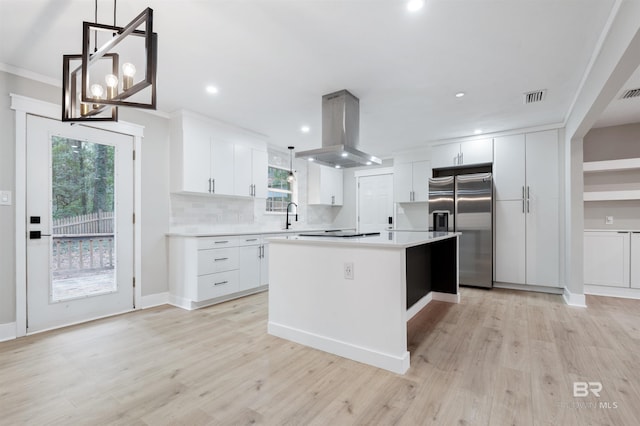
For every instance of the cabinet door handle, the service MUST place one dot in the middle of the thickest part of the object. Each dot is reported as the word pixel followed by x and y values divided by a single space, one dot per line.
pixel 213 182
pixel 221 282
pixel 209 185
pixel 527 205
pixel 523 205
pixel 333 199
pixel 221 242
pixel 626 232
pixel 220 259
pixel 461 158
pixel 252 239
pixel 262 251
pixel 527 191
pixel 523 192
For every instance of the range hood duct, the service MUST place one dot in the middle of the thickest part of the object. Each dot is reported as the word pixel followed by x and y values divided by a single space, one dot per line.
pixel 340 134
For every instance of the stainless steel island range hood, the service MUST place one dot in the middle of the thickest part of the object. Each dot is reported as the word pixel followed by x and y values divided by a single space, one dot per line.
pixel 340 134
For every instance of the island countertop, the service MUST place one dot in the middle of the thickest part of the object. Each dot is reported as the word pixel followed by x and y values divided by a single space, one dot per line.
pixel 386 239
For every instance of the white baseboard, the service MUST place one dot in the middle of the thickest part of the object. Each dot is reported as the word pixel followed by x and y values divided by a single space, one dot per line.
pixel 574 299
pixel 598 290
pixel 446 297
pixel 191 305
pixel 7 331
pixel 395 364
pixel 526 287
pixel 180 302
pixel 153 300
pixel 417 307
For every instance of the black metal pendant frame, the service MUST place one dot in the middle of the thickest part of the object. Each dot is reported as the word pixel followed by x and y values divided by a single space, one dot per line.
pixel 70 110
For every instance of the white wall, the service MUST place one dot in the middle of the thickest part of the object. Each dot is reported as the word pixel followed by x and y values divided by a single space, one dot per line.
pixel 155 200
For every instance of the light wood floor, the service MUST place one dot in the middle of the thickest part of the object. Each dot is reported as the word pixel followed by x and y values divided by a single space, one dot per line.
pixel 499 358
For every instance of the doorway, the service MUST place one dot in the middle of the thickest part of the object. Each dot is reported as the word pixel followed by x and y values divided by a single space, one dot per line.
pixel 375 202
pixel 79 222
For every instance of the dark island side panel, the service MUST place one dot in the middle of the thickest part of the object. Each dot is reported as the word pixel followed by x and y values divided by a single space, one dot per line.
pixel 431 267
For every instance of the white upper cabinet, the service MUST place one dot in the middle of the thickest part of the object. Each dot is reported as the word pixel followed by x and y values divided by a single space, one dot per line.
pixel 508 168
pixel 259 172
pixel 222 167
pixel 476 152
pixel 462 154
pixel 324 185
pixel 208 159
pixel 411 181
pixel 447 155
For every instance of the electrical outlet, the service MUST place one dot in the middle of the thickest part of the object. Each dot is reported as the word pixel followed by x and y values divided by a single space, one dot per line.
pixel 608 220
pixel 348 270
pixel 5 198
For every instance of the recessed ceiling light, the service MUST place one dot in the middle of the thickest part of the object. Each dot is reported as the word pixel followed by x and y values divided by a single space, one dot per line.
pixel 477 131
pixel 344 154
pixel 415 5
pixel 212 90
pixel 337 166
pixel 368 163
pixel 310 159
pixel 459 94
pixel 305 129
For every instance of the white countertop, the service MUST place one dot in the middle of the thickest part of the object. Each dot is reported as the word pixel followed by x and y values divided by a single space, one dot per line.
pixel 612 230
pixel 386 239
pixel 204 233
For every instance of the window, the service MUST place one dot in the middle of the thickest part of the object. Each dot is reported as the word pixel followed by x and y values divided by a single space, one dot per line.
pixel 280 192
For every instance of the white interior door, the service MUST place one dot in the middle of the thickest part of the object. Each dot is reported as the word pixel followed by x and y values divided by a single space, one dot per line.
pixel 79 208
pixel 375 202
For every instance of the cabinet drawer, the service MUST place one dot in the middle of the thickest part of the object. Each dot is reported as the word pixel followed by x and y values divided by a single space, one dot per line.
pixel 216 285
pixel 249 240
pixel 217 260
pixel 215 243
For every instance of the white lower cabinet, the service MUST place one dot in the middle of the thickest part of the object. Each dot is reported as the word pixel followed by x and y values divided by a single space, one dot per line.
pixel 250 262
pixel 612 258
pixel 204 270
pixel 635 259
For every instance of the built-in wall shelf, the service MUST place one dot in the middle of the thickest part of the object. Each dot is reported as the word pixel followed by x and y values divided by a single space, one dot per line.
pixel 611 195
pixel 612 165
pixel 612 180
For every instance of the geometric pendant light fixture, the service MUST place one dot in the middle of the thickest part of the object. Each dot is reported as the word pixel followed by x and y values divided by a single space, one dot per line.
pixel 121 72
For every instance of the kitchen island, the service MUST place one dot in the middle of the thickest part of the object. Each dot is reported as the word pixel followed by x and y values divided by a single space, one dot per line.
pixel 353 296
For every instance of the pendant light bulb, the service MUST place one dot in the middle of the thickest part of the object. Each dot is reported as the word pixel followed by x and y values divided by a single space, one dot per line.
pixel 291 177
pixel 97 91
pixel 128 71
pixel 112 85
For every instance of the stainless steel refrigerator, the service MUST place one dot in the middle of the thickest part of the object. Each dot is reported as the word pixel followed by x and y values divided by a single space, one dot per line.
pixel 463 203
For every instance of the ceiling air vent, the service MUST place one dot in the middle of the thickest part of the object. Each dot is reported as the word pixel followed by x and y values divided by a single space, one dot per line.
pixel 633 93
pixel 532 97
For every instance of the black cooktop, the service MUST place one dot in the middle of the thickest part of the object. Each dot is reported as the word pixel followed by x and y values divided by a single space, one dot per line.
pixel 340 234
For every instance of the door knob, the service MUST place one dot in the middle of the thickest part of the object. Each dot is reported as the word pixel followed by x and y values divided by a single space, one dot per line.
pixel 36 235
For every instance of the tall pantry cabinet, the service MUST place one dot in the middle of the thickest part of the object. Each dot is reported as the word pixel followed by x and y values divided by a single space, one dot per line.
pixel 526 182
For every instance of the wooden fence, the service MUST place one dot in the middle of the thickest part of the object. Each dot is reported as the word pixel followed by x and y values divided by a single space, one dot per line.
pixel 91 223
pixel 83 243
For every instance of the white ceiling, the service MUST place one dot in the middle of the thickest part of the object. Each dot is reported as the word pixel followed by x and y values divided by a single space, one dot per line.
pixel 272 60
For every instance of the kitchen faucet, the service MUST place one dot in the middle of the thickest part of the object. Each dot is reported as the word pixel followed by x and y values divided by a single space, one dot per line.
pixel 289 205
